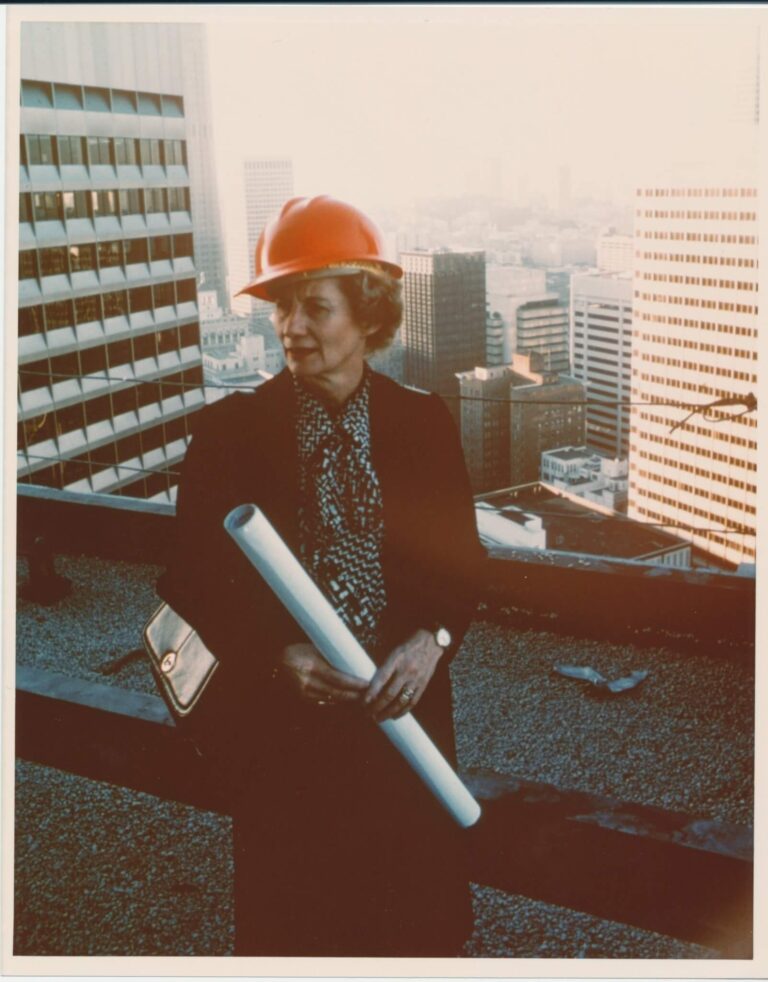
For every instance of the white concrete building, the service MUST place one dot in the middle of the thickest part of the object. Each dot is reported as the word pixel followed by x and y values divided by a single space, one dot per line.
pixel 159 57
pixel 532 324
pixel 601 353
pixel 695 342
pixel 615 253
pixel 110 365
pixel 602 480
pixel 268 184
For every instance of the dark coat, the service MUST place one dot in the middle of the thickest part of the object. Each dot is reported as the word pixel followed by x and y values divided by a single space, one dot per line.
pixel 339 849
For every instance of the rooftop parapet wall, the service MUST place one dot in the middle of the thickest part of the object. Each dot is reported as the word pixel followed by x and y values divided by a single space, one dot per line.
pixel 583 595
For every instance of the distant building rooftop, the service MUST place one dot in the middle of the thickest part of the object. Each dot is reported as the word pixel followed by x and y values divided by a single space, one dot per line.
pixel 570 453
pixel 570 526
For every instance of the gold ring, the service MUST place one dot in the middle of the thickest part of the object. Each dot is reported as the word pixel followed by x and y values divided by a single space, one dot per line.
pixel 407 694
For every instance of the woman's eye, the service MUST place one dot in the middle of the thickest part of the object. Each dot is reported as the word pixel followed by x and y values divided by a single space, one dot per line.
pixel 317 309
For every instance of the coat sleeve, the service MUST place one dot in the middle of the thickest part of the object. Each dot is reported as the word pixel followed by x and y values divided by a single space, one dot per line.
pixel 208 581
pixel 461 557
pixel 451 566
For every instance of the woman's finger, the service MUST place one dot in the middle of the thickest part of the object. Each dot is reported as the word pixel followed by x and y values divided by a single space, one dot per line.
pixel 381 679
pixel 393 697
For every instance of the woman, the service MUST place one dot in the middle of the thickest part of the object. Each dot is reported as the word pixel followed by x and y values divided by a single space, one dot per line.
pixel 339 848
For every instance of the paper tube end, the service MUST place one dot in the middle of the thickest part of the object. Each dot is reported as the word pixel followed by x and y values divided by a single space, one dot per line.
pixel 239 517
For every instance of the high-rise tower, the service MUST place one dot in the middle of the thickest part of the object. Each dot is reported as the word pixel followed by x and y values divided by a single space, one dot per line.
pixel 109 351
pixel 695 324
pixel 167 58
pixel 444 318
pixel 268 184
pixel 601 346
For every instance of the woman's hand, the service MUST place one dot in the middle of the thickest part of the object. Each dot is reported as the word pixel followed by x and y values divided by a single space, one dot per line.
pixel 400 681
pixel 313 679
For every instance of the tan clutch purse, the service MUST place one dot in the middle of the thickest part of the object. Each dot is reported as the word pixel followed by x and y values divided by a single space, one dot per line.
pixel 182 664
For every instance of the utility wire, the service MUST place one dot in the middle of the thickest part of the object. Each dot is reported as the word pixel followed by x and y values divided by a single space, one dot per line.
pixel 98 468
pixel 749 401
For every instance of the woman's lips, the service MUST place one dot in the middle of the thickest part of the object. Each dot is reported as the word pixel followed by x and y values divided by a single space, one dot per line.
pixel 300 352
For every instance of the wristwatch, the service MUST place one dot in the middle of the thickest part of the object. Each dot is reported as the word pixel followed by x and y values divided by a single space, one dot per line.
pixel 441 635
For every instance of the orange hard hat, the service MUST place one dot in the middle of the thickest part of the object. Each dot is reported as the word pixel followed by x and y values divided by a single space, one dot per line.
pixel 314 234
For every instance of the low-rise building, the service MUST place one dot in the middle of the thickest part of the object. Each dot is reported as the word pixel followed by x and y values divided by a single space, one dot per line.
pixel 592 476
pixel 533 516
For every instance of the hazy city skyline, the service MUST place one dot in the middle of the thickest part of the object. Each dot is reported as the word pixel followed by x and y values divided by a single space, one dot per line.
pixel 384 106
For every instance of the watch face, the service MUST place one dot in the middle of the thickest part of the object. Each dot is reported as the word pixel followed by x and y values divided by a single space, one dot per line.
pixel 443 637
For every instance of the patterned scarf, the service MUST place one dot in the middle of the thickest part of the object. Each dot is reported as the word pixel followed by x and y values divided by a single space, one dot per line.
pixel 341 521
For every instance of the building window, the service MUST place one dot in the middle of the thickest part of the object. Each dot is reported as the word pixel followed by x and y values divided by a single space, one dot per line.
pixel 150 152
pixel 160 247
pixel 37 94
pixel 135 251
pixel 97 100
pixel 155 200
pixel 178 199
pixel 123 101
pixel 27 264
pixel 99 150
pixel 125 150
pixel 40 150
pixel 34 374
pixel 64 367
pixel 189 335
pixel 119 353
pixel 175 152
pixel 185 291
pixel 75 204
pixel 30 321
pixel 68 96
pixel 167 340
pixel 99 409
pixel 149 104
pixel 58 315
pixel 115 304
pixel 71 150
pixel 131 202
pixel 88 309
pixel 93 360
pixel 25 207
pixel 183 245
pixel 103 203
pixel 144 347
pixel 82 257
pixel 173 105
pixel 110 254
pixel 140 299
pixel 54 262
pixel 164 295
pixel 47 206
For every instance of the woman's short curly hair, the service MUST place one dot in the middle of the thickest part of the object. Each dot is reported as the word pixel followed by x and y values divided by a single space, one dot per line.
pixel 375 300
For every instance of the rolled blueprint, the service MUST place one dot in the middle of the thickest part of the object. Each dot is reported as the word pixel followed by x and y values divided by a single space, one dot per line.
pixel 255 535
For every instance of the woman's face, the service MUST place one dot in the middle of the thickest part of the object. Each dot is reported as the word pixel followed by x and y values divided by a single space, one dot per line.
pixel 321 341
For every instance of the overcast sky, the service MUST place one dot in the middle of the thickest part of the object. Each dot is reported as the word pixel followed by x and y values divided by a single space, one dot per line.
pixel 384 104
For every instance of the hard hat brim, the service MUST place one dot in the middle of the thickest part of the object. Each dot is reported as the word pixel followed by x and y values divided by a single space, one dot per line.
pixel 262 286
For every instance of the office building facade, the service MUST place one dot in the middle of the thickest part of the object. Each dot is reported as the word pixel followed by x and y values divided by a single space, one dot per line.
pixel 160 58
pixel 601 348
pixel 538 325
pixel 546 411
pixel 695 341
pixel 485 426
pixel 110 365
pixel 443 319
pixel 268 184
